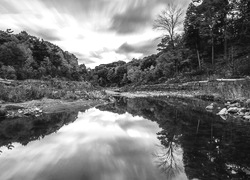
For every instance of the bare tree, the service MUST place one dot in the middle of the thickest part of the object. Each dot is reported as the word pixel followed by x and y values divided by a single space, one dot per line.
pixel 169 20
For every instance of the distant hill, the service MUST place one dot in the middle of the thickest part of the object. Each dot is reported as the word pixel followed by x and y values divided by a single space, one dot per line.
pixel 23 56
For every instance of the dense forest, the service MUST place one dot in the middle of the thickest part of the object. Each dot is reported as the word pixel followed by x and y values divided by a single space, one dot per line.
pixel 215 43
pixel 23 56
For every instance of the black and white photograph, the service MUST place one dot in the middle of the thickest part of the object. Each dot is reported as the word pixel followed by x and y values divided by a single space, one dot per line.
pixel 124 89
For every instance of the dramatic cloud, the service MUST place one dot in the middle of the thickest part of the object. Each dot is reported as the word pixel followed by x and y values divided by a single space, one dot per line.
pixel 144 48
pixel 132 20
pixel 98 31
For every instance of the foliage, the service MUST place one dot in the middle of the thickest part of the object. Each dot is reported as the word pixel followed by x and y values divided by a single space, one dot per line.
pixel 23 56
pixel 20 91
pixel 215 42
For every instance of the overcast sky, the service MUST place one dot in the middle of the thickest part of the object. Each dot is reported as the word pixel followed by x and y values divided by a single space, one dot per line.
pixel 96 31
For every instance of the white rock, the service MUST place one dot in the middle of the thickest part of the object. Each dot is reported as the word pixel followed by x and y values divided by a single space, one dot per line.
pixel 247 117
pixel 235 105
pixel 210 107
pixel 247 114
pixel 233 110
pixel 222 112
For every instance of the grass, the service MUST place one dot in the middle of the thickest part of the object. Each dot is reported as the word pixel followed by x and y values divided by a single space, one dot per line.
pixel 20 91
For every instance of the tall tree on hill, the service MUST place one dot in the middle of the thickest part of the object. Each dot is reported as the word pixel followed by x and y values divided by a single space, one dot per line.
pixel 192 32
pixel 206 27
pixel 169 20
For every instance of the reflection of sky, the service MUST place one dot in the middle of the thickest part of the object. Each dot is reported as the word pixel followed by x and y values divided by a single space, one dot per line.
pixel 99 145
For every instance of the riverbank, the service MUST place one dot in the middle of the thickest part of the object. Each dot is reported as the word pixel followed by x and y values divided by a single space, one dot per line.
pixel 34 97
pixel 214 90
pixel 39 107
pixel 232 95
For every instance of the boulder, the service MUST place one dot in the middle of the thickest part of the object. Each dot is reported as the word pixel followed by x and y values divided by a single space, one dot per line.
pixel 234 105
pixel 223 111
pixel 210 107
pixel 233 110
pixel 247 114
pixel 247 117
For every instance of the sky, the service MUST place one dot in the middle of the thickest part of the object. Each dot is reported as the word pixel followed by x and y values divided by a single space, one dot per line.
pixel 96 31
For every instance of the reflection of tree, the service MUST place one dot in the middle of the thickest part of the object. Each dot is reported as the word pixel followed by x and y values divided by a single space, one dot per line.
pixel 169 153
pixel 212 148
pixel 24 130
pixel 168 159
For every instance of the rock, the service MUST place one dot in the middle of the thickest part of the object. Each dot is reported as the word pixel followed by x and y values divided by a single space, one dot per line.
pixel 233 110
pixel 247 114
pixel 222 112
pixel 247 117
pixel 3 112
pixel 20 111
pixel 210 107
pixel 234 105
pixel 243 110
pixel 241 114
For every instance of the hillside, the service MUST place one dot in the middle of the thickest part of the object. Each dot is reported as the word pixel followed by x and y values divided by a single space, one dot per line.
pixel 214 44
pixel 23 56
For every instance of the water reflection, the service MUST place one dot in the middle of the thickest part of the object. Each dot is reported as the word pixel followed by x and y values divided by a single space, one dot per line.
pixel 24 130
pixel 142 138
pixel 98 145
pixel 208 147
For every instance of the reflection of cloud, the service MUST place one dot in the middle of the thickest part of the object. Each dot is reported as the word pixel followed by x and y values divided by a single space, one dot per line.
pixel 111 159
pixel 96 142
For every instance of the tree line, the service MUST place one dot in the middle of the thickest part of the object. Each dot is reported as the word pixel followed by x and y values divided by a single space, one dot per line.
pixel 23 56
pixel 215 42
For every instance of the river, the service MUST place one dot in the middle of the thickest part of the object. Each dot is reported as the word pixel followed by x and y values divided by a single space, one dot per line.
pixel 131 139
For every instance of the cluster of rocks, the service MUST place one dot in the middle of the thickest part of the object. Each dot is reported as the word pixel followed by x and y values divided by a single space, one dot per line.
pixel 20 112
pixel 233 109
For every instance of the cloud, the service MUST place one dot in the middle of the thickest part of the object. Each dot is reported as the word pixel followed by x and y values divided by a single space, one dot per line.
pixel 46 34
pixel 138 16
pixel 132 20
pixel 96 30
pixel 7 8
pixel 145 48
pixel 83 59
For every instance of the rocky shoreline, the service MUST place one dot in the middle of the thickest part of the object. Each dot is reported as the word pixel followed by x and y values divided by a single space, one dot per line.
pixel 38 107
pixel 240 109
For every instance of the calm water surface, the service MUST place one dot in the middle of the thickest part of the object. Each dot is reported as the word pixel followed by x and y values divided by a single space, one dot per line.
pixel 131 139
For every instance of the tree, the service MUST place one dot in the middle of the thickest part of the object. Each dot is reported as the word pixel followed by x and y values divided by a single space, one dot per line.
pixel 192 33
pixel 169 20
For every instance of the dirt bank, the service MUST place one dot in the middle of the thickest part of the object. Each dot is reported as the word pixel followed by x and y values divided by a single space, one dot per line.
pixel 225 89
pixel 37 107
